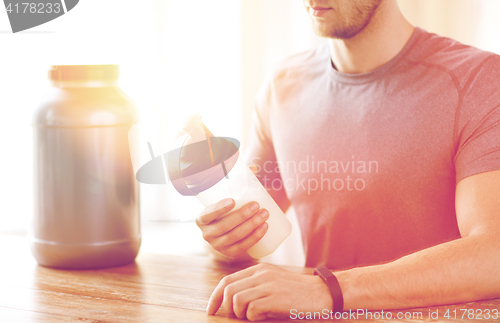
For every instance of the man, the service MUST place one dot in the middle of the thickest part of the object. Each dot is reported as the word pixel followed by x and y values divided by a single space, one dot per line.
pixel 400 130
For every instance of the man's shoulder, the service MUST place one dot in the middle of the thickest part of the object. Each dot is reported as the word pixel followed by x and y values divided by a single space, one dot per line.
pixel 459 60
pixel 301 66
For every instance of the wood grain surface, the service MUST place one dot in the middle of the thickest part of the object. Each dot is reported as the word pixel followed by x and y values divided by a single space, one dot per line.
pixel 156 288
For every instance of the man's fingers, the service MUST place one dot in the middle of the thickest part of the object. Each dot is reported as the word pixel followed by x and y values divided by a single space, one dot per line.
pixel 229 222
pixel 241 231
pixel 257 310
pixel 214 211
pixel 249 241
pixel 222 229
pixel 242 298
pixel 234 288
pixel 216 298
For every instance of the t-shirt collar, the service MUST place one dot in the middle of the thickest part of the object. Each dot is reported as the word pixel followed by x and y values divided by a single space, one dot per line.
pixel 372 75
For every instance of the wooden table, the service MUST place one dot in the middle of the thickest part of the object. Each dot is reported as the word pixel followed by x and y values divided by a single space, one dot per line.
pixel 156 288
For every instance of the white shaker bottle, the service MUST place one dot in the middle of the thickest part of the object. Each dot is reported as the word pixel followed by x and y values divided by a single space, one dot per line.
pixel 212 169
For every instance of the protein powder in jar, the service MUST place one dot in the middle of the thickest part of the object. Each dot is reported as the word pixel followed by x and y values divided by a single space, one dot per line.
pixel 86 197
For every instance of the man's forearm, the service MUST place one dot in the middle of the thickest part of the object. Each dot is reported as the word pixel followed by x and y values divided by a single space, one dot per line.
pixel 461 270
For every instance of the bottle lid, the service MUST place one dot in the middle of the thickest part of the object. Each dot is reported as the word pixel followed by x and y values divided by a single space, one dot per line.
pixel 199 162
pixel 84 73
pixel 202 159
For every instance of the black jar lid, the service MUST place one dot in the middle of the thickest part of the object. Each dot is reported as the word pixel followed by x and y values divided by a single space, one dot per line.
pixel 84 73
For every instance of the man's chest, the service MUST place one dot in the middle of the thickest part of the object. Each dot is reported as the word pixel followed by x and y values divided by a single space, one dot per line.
pixel 365 139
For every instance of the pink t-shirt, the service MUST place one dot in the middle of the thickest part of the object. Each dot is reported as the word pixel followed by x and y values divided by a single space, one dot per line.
pixel 370 161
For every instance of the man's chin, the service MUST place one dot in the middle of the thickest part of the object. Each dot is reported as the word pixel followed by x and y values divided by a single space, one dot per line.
pixel 329 30
pixel 321 29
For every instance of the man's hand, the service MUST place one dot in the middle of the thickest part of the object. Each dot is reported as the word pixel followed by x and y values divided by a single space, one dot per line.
pixel 234 233
pixel 255 291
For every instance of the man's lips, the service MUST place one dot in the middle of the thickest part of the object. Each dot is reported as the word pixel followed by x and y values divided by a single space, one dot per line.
pixel 318 11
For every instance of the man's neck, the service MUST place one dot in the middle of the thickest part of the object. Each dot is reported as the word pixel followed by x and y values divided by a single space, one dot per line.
pixel 382 39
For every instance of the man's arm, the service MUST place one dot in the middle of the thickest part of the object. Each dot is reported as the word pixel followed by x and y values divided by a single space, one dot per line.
pixel 242 229
pixel 458 271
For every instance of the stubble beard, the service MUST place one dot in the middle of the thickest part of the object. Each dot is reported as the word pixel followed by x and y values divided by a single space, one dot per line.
pixel 357 19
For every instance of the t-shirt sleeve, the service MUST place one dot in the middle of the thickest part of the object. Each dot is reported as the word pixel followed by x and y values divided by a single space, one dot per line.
pixel 478 131
pixel 260 149
pixel 260 146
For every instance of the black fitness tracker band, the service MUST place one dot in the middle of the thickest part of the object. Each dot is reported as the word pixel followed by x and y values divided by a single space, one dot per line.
pixel 333 284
